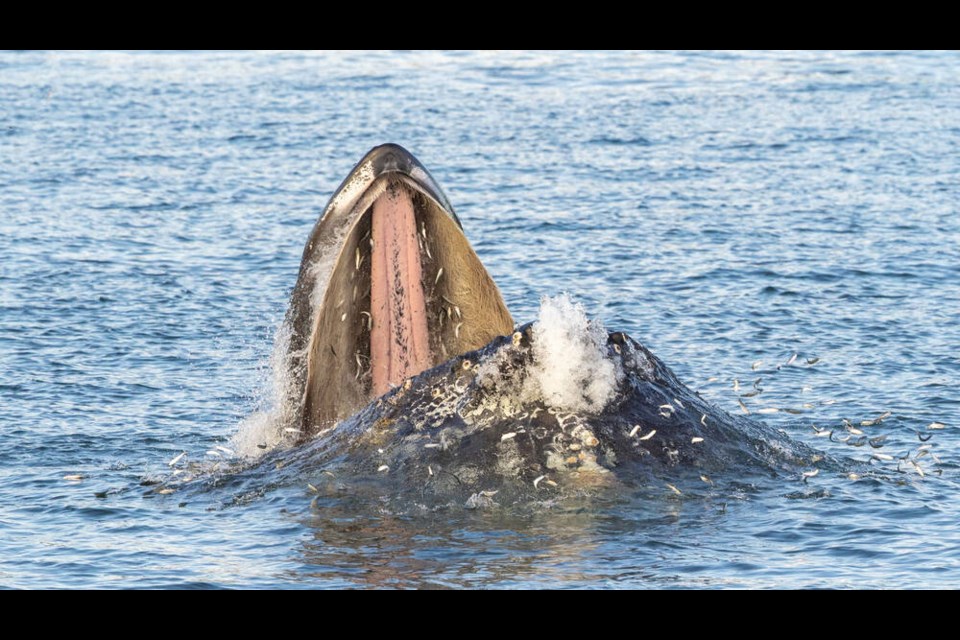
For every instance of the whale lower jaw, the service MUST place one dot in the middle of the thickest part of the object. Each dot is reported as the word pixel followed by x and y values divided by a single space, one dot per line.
pixel 399 344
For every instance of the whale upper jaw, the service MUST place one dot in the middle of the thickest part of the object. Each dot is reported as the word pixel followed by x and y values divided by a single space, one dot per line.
pixel 357 192
pixel 389 286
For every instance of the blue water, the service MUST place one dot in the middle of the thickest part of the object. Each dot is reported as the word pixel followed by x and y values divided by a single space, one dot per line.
pixel 723 208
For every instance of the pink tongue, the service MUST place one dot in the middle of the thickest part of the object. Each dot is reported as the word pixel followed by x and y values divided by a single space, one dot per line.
pixel 399 343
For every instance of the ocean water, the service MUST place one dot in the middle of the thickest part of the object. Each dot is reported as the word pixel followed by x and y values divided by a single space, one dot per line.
pixel 728 210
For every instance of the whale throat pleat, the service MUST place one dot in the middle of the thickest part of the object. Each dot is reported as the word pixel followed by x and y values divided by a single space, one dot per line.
pixel 399 337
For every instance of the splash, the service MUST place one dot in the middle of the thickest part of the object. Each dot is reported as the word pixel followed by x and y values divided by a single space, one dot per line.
pixel 570 369
pixel 263 430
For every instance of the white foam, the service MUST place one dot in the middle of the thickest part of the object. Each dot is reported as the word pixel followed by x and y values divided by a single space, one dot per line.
pixel 263 430
pixel 570 368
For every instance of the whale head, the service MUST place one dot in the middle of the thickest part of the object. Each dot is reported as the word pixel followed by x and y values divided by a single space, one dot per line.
pixel 388 287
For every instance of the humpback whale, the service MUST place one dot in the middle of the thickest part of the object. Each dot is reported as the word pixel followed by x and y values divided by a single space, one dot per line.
pixel 408 371
pixel 388 287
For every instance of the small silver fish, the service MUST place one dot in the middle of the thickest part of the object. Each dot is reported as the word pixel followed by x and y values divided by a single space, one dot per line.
pixel 877 420
pixel 177 459
pixel 743 407
pixel 508 436
pixel 696 440
pixel 674 489
pixel 383 467
pixel 648 436
pixel 633 431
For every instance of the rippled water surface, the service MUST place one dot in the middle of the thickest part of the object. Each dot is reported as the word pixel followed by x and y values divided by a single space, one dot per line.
pixel 723 209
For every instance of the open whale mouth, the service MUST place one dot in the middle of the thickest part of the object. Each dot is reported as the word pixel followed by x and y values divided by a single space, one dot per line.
pixel 389 286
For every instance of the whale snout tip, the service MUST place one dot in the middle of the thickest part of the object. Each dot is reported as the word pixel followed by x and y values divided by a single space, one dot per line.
pixel 393 158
